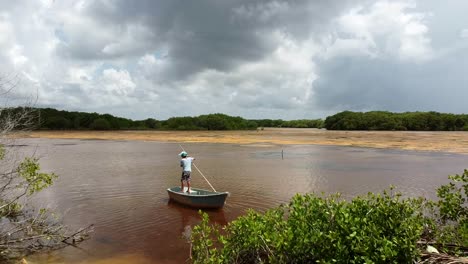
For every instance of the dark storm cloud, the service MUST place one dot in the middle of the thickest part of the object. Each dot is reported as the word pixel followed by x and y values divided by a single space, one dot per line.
pixel 371 84
pixel 275 59
pixel 208 34
pixel 387 82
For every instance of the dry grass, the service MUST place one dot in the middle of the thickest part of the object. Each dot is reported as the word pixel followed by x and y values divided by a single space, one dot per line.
pixel 455 142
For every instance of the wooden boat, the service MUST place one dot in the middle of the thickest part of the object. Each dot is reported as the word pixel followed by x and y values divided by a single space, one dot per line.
pixel 198 198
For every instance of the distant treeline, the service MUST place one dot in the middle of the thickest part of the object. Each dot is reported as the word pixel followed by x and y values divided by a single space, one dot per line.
pixel 379 120
pixel 48 118
pixel 53 119
pixel 301 123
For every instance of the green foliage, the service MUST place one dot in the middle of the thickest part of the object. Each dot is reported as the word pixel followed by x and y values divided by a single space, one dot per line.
pixel 2 152
pixel 380 120
pixel 180 123
pixel 24 230
pixel 377 228
pixel 208 122
pixel 152 123
pixel 58 122
pixel 48 118
pixel 100 124
pixel 301 123
pixel 205 248
pixel 453 211
pixel 13 210
pixel 35 180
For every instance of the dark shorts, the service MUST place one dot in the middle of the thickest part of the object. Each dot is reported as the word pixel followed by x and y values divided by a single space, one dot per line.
pixel 185 176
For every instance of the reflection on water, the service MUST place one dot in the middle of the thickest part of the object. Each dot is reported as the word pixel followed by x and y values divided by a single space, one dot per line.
pixel 120 187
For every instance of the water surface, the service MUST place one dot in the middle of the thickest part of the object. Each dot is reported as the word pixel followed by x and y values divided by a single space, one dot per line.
pixel 120 187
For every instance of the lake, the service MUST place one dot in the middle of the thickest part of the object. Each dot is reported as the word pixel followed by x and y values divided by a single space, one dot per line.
pixel 120 187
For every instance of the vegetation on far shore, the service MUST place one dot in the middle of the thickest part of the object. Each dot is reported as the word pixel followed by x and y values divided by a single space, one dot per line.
pixel 380 120
pixel 53 119
pixel 375 228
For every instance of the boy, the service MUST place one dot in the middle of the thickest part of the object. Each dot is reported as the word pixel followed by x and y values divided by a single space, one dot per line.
pixel 186 164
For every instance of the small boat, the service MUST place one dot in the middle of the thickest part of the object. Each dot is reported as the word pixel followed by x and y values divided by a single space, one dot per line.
pixel 198 198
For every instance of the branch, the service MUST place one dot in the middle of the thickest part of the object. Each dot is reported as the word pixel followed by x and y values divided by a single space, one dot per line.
pixel 432 243
pixel 78 232
pixel 15 199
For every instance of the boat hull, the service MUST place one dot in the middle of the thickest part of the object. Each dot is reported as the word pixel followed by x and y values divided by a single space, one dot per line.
pixel 198 198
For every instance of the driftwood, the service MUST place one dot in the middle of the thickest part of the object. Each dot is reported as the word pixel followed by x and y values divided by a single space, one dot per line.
pixel 440 245
pixel 429 258
pixel 433 257
pixel 79 235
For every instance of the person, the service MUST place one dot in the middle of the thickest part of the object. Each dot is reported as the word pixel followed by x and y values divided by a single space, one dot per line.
pixel 186 164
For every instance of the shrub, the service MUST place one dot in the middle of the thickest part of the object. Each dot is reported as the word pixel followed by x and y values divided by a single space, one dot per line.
pixel 452 216
pixel 100 124
pixel 376 228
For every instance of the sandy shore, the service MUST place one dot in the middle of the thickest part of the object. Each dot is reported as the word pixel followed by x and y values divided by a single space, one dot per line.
pixel 455 142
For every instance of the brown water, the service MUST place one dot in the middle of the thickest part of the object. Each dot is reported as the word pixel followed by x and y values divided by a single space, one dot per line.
pixel 120 187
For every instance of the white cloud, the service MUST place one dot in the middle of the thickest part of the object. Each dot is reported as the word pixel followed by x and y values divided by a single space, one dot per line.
pixel 16 56
pixel 6 30
pixel 251 59
pixel 464 33
pixel 283 80
pixel 387 28
pixel 147 60
pixel 118 82
pixel 80 75
pixel 349 47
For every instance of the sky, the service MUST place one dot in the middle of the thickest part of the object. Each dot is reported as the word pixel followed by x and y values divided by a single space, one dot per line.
pixel 256 59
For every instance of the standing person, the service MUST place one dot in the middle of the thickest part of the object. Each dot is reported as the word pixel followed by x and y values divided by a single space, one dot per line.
pixel 186 164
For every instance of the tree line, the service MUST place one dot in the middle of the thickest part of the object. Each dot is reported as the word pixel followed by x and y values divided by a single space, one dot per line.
pixel 53 119
pixel 301 123
pixel 381 120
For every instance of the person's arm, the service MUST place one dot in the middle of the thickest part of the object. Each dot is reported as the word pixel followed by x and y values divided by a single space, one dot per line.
pixel 181 163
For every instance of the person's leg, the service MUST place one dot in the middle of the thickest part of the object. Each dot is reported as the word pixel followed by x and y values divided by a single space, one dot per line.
pixel 182 182
pixel 189 177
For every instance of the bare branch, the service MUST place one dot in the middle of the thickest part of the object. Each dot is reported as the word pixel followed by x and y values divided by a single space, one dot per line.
pixel 24 230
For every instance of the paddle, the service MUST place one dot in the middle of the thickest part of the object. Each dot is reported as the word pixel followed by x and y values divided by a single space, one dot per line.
pixel 200 172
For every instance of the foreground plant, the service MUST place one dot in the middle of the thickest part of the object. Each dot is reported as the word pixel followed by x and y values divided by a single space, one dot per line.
pixel 452 217
pixel 24 229
pixel 376 228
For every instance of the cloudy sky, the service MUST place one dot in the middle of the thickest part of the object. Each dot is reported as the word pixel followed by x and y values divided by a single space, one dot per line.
pixel 257 59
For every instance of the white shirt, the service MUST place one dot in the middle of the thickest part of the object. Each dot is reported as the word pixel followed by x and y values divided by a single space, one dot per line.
pixel 186 163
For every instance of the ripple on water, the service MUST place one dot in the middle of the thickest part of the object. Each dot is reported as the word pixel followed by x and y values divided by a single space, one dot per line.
pixel 121 187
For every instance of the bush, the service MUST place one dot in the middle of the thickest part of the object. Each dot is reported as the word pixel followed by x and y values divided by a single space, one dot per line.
pixel 58 122
pixel 452 229
pixel 100 124
pixel 377 228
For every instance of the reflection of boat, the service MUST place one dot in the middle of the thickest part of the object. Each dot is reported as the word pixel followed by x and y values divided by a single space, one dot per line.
pixel 198 198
